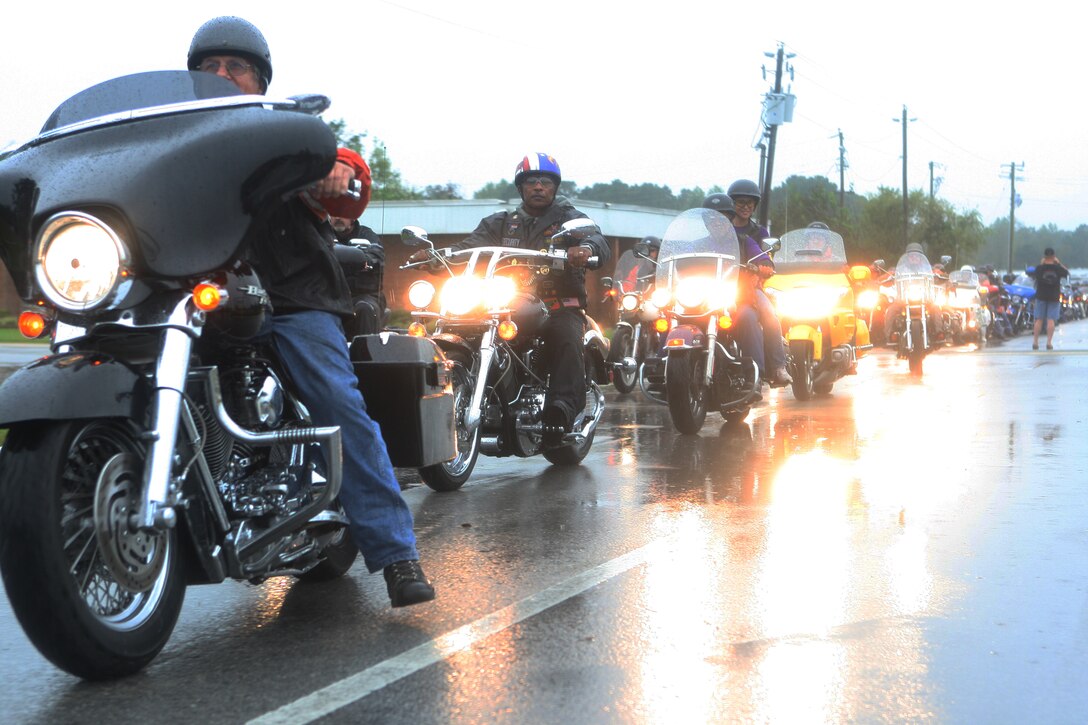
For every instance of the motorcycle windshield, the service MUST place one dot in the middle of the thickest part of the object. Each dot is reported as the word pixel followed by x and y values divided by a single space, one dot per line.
pixel 180 162
pixel 963 278
pixel 633 273
pixel 815 248
pixel 913 263
pixel 695 243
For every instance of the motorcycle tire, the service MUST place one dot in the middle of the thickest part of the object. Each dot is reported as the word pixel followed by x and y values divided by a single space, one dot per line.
pixel 66 548
pixel 451 475
pixel 801 356
pixel 624 343
pixel 918 352
pixel 685 390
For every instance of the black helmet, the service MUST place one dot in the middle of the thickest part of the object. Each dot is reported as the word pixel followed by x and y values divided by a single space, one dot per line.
pixel 720 202
pixel 654 242
pixel 230 35
pixel 744 187
pixel 819 225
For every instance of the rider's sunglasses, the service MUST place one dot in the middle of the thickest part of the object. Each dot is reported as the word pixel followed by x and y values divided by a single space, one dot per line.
pixel 745 202
pixel 546 181
pixel 235 68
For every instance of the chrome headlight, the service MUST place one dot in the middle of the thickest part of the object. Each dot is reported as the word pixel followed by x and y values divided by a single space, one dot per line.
pixel 81 262
pixel 693 291
pixel 461 295
pixel 630 302
pixel 660 298
pixel 421 294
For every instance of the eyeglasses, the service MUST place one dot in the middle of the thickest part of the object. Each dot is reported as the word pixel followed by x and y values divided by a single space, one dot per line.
pixel 234 68
pixel 745 202
pixel 546 181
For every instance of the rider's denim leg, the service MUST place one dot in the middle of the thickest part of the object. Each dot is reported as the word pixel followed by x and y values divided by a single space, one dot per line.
pixel 773 349
pixel 312 346
pixel 749 335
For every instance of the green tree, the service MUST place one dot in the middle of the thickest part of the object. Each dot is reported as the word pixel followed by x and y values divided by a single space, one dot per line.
pixel 497 190
pixel 388 185
pixel 448 190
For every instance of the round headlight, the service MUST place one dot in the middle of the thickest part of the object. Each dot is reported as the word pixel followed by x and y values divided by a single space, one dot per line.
pixel 629 302
pixel 81 261
pixel 421 294
pixel 461 295
pixel 692 292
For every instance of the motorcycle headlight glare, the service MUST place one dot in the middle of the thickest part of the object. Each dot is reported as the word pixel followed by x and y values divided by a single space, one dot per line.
pixel 868 299
pixel 498 292
pixel 421 294
pixel 629 302
pixel 461 295
pixel 809 303
pixel 660 298
pixel 916 293
pixel 81 262
pixel 692 292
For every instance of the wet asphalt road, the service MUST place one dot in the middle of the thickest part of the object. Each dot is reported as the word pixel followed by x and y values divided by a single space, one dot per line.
pixel 903 550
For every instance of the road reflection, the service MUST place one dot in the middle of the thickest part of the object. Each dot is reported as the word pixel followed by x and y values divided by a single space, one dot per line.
pixel 793 531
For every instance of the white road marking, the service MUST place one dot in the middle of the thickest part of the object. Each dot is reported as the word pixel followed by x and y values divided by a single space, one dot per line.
pixel 356 687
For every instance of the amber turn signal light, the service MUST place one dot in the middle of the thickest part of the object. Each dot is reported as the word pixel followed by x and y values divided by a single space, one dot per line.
pixel 32 324
pixel 207 297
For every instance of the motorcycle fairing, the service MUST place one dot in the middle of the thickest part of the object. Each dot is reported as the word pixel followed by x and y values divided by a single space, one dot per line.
pixel 73 385
pixel 195 179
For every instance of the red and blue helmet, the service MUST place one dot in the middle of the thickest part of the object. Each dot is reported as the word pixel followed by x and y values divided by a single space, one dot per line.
pixel 537 163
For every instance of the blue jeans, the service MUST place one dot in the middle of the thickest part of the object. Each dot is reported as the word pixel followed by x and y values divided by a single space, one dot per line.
pixel 312 346
pixel 749 335
pixel 1048 310
pixel 774 349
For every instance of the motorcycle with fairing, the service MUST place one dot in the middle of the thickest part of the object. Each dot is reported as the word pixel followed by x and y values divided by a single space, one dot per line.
pixel 696 287
pixel 814 291
pixel 635 356
pixel 969 316
pixel 487 324
pixel 158 444
pixel 915 319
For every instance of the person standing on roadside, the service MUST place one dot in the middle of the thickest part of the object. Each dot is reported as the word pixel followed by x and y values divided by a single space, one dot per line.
pixel 1048 277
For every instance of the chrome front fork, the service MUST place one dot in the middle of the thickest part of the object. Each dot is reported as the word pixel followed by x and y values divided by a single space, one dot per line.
pixel 487 353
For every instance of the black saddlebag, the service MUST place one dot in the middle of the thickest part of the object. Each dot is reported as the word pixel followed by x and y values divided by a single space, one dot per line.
pixel 406 386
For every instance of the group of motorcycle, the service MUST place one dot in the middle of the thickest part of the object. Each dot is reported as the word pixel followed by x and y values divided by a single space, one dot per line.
pixel 675 335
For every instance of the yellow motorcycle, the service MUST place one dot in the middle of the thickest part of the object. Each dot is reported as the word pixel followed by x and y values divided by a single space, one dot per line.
pixel 814 290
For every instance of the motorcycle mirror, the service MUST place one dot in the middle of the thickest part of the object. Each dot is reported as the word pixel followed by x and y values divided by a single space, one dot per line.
pixel 946 259
pixel 415 237
pixel 879 263
pixel 359 242
pixel 642 249
pixel 771 244
pixel 606 282
pixel 577 229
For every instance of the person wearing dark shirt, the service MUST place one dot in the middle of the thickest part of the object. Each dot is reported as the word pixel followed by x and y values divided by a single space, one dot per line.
pixel 1048 276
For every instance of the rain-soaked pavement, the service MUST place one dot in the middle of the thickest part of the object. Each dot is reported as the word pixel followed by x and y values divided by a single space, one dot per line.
pixel 903 550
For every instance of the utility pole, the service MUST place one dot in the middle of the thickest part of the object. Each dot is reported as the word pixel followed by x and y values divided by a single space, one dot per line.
pixel 842 172
pixel 1013 168
pixel 931 181
pixel 906 204
pixel 777 109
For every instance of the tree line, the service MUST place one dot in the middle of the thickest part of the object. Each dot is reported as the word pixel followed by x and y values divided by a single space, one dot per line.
pixel 871 225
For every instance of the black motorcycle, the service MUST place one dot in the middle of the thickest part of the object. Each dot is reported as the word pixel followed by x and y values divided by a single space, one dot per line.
pixel 487 325
pixel 635 354
pixel 157 446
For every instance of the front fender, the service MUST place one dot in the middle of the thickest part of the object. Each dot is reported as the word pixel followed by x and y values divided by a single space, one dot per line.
pixel 809 334
pixel 685 336
pixel 448 342
pixel 73 385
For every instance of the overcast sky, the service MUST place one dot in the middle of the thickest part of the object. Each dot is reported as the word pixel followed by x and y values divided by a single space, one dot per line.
pixel 665 92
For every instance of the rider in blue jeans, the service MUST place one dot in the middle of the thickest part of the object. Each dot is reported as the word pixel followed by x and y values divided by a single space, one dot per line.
pixel 292 253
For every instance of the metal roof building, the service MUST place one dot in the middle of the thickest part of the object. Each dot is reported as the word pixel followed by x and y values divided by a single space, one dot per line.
pixel 460 216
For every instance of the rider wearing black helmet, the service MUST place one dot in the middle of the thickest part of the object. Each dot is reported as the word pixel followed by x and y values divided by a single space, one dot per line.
pixel 291 249
pixel 231 36
pixel 743 197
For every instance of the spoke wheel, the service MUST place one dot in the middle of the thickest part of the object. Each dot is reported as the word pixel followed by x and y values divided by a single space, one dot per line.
pixel 97 597
pixel 624 344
